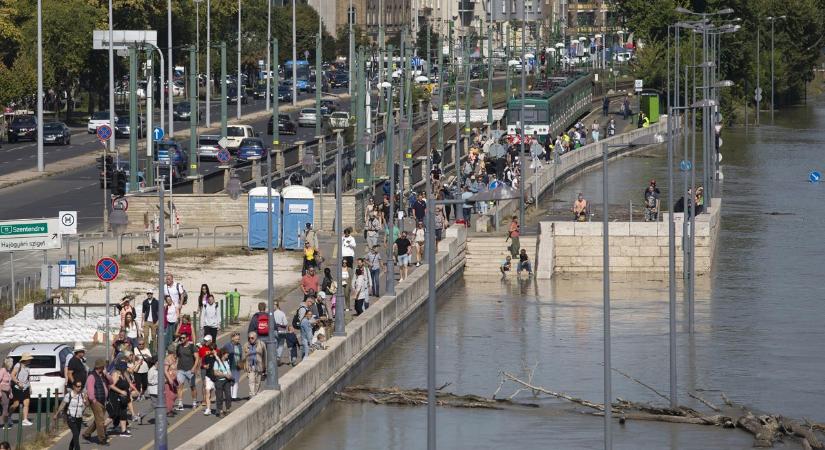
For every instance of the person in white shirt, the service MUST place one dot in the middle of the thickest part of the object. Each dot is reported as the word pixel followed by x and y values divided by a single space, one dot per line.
pixel 142 353
pixel 175 291
pixel 348 244
pixel 211 318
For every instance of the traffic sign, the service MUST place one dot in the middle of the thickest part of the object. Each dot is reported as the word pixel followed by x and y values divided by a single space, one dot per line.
pixel 223 156
pixel 814 176
pixel 104 132
pixel 758 91
pixel 28 228
pixel 638 85
pixel 685 165
pixel 68 222
pixel 157 134
pixel 223 142
pixel 120 203
pixel 107 269
pixel 67 274
pixel 19 244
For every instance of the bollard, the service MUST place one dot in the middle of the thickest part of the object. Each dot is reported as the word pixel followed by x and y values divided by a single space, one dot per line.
pixel 19 424
pixel 222 303
pixel 39 410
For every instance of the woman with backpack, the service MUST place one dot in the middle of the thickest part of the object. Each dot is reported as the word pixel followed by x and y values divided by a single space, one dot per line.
pixel 223 378
pixel 211 318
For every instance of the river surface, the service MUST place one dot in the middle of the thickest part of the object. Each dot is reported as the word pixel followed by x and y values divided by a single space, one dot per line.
pixel 759 330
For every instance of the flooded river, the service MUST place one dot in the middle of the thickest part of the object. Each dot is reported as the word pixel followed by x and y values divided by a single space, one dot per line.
pixel 759 328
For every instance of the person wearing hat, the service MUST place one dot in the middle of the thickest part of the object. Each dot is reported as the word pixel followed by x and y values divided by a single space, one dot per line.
pixel 151 317
pixel 97 390
pixel 126 308
pixel 21 386
pixel 76 370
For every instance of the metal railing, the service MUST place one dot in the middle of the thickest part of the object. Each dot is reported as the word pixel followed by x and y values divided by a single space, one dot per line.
pixel 215 233
pixel 47 310
pixel 180 234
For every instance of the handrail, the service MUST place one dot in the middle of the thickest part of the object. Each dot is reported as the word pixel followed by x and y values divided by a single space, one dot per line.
pixel 197 240
pixel 215 233
pixel 47 310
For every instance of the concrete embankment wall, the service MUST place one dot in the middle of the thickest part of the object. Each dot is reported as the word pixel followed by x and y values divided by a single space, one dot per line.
pixel 271 418
pixel 634 247
pixel 571 163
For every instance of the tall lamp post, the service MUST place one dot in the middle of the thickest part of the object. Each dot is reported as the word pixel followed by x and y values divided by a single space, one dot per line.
pixel 772 20
pixel 40 163
pixel 239 86
pixel 271 341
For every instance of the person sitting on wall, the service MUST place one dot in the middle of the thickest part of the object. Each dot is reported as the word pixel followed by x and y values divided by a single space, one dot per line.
pixel 580 207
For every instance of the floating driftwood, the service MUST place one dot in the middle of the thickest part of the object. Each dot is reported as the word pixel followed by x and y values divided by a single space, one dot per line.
pixel 418 397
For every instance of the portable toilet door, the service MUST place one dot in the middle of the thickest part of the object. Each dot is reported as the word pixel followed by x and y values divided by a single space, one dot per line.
pixel 299 210
pixel 256 238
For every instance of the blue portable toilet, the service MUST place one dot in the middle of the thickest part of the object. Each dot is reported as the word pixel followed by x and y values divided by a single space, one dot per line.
pixel 256 238
pixel 299 210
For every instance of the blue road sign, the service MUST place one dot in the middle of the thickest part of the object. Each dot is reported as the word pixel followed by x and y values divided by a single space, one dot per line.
pixel 67 273
pixel 104 132
pixel 223 156
pixel 107 269
pixel 416 62
pixel 157 134
pixel 814 176
pixel 685 165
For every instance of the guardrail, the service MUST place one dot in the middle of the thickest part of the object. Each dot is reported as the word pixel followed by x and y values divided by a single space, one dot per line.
pixel 215 233
pixel 47 310
pixel 180 234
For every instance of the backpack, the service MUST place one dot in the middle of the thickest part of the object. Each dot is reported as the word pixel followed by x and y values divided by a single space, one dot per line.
pixel 263 324
pixel 296 319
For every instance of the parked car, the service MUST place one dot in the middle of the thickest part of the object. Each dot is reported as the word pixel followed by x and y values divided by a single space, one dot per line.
pixel 123 129
pixel 23 127
pixel 339 119
pixel 251 148
pixel 515 65
pixel 97 119
pixel 307 117
pixel 285 125
pixel 260 91
pixel 328 107
pixel 56 133
pixel 208 147
pixel 183 111
pixel 232 95
pixel 46 368
pixel 235 134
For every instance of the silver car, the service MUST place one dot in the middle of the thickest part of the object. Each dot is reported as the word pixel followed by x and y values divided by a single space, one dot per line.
pixel 208 147
pixel 307 117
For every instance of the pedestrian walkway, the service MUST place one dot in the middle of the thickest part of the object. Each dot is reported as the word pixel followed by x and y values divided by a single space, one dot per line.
pixel 190 422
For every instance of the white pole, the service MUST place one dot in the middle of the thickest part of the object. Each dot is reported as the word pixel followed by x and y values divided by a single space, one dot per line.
pixel 268 50
pixel 112 147
pixel 171 82
pixel 149 111
pixel 294 60
pixel 238 82
pixel 40 163
pixel 208 60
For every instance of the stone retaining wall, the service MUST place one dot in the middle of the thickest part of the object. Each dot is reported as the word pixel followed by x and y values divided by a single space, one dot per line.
pixel 634 246
pixel 271 418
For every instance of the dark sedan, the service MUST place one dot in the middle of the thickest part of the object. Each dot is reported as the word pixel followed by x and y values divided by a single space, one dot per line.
pixel 56 133
pixel 123 127
pixel 251 148
pixel 285 125
pixel 284 94
pixel 339 80
pixel 23 127
pixel 183 111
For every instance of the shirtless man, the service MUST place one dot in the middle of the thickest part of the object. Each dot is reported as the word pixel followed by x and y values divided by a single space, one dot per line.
pixel 580 209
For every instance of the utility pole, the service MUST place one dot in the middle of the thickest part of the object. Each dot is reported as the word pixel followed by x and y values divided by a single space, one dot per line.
pixel 441 97
pixel 294 59
pixel 224 93
pixel 350 62
pixel 489 74
pixel 112 147
pixel 149 170
pixel 240 88
pixel 391 173
pixel 41 166
pixel 208 61
pixel 360 120
pixel 318 75
pixel 170 82
pixel 193 114
pixel 758 70
pixel 134 128
pixel 268 59
pixel 521 116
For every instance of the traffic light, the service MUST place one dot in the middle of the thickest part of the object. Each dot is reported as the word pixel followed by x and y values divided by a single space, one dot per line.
pixel 119 184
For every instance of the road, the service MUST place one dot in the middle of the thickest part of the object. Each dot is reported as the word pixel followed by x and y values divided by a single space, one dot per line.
pixel 23 155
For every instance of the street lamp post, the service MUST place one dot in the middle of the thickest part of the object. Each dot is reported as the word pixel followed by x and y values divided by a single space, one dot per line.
pixel 40 163
pixel 271 341
pixel 773 20
pixel 171 82
pixel 294 59
pixel 269 74
pixel 239 87
pixel 160 404
pixel 208 61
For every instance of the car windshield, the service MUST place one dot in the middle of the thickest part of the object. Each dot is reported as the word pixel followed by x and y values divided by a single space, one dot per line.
pixel 252 143
pixel 184 106
pixel 40 361
pixel 283 117
pixel 123 121
pixel 52 127
pixel 23 121
pixel 234 131
pixel 101 115
pixel 339 115
pixel 308 111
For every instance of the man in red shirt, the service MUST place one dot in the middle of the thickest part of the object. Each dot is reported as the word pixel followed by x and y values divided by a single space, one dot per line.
pixel 310 281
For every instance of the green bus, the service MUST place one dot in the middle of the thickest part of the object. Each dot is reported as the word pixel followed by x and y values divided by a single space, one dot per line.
pixel 551 109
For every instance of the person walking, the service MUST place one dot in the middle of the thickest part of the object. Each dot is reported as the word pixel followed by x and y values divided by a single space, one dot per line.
pixel 605 105
pixel 150 317
pixel 224 380
pixel 170 315
pixel 21 386
pixel 142 355
pixel 401 249
pixel 133 332
pixel 119 398
pixel 254 362
pixel 188 365
pixel 211 318
pixel 348 247
pixel 373 227
pixel 97 391
pixel 307 323
pixel 5 391
pixel 513 235
pixel 170 388
pixel 234 352
pixel 360 292
pixel 76 366
pixel 420 240
pixel 375 260
pixel 75 403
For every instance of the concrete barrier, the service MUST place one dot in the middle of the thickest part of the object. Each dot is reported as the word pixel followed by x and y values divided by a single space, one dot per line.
pixel 571 163
pixel 271 418
pixel 634 246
